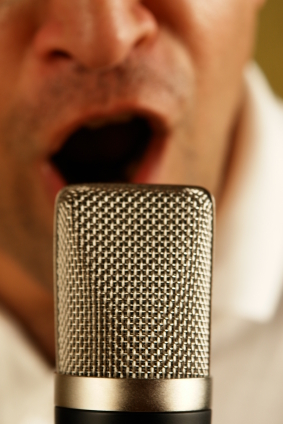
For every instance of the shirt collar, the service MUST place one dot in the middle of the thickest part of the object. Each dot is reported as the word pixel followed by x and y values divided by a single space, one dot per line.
pixel 248 274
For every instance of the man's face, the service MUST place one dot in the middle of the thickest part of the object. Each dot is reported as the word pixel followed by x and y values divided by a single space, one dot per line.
pixel 112 90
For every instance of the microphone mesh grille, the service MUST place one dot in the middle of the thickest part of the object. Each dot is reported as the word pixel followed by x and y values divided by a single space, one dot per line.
pixel 133 278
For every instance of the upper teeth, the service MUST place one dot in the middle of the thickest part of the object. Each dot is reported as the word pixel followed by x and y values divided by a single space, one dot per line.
pixel 101 122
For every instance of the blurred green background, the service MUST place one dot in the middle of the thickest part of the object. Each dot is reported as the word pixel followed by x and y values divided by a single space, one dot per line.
pixel 269 51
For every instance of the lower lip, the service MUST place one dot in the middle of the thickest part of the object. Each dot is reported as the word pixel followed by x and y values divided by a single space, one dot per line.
pixel 148 170
pixel 52 180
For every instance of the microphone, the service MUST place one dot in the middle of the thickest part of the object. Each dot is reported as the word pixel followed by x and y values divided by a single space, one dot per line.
pixel 133 268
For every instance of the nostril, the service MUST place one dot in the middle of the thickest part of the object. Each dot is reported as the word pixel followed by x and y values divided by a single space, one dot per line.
pixel 49 43
pixel 59 54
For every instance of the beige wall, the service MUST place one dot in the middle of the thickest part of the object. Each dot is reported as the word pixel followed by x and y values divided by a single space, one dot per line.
pixel 269 52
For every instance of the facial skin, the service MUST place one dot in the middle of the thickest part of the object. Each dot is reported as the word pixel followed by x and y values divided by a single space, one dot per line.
pixel 64 63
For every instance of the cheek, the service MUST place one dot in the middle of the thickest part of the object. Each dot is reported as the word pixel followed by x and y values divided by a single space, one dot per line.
pixel 211 30
pixel 217 36
pixel 18 22
pixel 223 32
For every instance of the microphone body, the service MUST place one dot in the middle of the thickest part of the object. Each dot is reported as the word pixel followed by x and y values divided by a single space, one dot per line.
pixel 133 267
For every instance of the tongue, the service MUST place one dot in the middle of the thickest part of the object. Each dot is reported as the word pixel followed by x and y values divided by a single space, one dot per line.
pixel 107 154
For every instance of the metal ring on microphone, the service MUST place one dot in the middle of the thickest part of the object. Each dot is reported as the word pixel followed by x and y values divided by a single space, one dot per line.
pixel 132 395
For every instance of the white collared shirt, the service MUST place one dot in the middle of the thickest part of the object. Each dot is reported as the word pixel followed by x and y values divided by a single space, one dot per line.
pixel 247 321
pixel 26 381
pixel 249 238
pixel 247 318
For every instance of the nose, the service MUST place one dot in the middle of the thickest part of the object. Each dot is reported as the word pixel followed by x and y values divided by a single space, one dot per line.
pixel 94 34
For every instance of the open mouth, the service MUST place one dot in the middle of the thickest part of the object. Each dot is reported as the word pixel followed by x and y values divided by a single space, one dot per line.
pixel 105 150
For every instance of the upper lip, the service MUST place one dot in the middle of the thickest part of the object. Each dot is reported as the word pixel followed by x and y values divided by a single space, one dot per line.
pixel 157 122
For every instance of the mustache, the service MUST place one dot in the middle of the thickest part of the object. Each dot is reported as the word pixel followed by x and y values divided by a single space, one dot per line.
pixel 102 87
pixel 76 89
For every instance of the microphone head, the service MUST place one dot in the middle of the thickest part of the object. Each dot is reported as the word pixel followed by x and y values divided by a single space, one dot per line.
pixel 133 267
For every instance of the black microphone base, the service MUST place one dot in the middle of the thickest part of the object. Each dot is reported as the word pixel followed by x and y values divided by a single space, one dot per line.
pixel 77 416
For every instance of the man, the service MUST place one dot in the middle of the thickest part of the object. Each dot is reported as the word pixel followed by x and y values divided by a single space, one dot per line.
pixel 104 90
